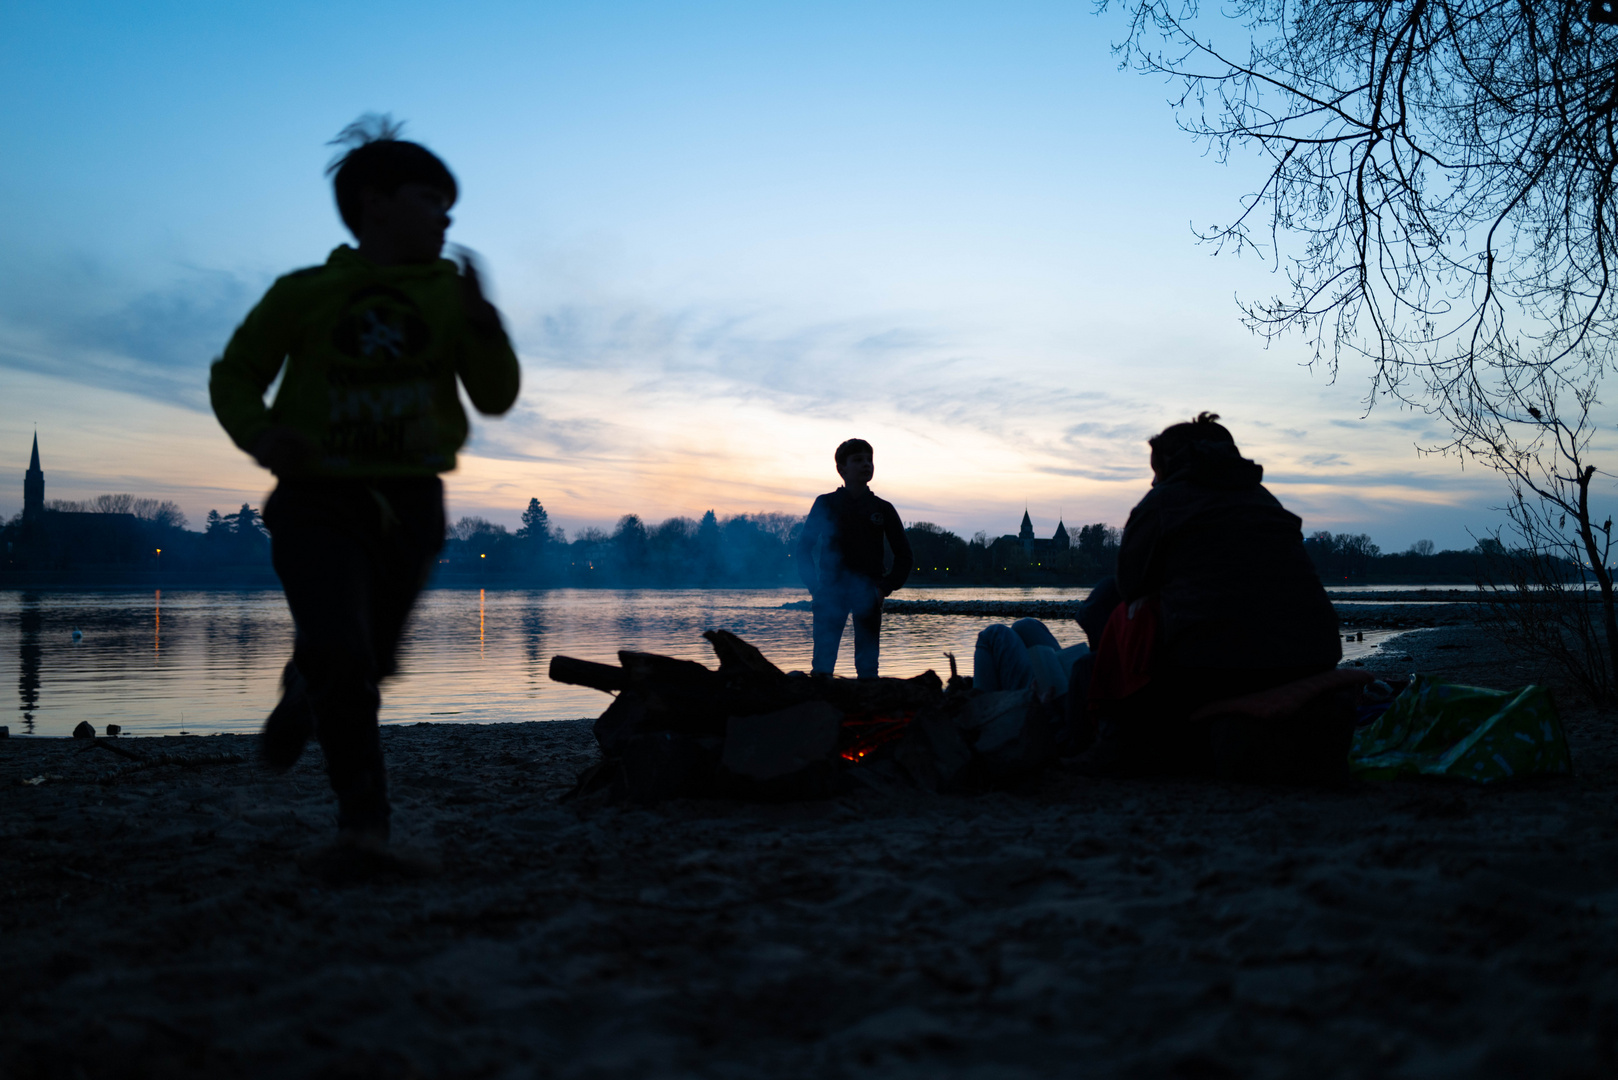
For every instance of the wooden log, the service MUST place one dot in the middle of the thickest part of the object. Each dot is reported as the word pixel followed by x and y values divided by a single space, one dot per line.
pixel 682 695
pixel 120 751
pixel 882 695
pixel 737 655
pixel 567 669
pixel 651 670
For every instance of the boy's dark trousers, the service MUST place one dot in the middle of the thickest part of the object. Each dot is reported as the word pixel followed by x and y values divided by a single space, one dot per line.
pixel 352 555
pixel 831 607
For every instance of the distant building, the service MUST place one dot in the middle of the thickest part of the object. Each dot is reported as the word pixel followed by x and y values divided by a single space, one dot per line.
pixel 1035 550
pixel 33 487
pixel 51 539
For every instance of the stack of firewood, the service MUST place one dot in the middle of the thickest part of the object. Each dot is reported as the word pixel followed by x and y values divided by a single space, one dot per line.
pixel 750 730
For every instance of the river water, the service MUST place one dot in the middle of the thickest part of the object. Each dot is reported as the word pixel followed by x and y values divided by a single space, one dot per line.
pixel 205 662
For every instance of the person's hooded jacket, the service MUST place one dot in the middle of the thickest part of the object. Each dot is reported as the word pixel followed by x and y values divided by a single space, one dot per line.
pixel 371 356
pixel 1228 566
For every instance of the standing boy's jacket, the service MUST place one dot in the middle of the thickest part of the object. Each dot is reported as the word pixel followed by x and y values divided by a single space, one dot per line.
pixel 852 528
pixel 1227 562
pixel 372 354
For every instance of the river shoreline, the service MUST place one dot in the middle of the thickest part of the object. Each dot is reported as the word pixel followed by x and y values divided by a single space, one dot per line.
pixel 264 578
pixel 1355 611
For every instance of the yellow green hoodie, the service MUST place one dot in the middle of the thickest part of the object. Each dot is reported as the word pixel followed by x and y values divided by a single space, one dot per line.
pixel 371 354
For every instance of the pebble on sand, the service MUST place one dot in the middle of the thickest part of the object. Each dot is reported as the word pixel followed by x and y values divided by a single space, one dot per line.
pixel 84 730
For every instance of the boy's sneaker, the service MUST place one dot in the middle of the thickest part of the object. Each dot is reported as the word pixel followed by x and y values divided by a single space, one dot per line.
pixel 290 726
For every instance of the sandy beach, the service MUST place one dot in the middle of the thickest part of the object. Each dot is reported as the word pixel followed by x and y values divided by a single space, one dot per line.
pixel 159 920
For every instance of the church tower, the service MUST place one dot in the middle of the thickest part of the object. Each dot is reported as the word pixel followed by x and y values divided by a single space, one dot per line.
pixel 33 487
pixel 1061 538
pixel 1026 534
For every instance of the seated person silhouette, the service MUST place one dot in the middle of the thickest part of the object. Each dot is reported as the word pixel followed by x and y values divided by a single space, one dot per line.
pixel 1217 599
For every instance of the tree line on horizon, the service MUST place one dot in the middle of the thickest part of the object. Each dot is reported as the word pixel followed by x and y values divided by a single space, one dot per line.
pixel 761 549
pixel 736 551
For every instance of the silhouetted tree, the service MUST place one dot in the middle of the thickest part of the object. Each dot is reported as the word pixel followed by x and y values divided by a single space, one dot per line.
pixel 671 551
pixel 1343 557
pixel 248 540
pixel 709 557
pixel 471 528
pixel 629 546
pixel 478 545
pixel 752 552
pixel 589 556
pixel 1097 549
pixel 535 544
pixel 218 538
pixel 163 513
pixel 939 554
pixel 536 525
pixel 1450 168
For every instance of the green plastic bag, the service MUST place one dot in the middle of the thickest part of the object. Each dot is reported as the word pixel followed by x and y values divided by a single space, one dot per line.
pixel 1464 732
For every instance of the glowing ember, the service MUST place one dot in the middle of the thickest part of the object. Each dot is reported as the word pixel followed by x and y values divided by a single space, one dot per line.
pixel 866 733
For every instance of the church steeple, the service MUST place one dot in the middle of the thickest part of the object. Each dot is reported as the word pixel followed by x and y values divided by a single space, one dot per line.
pixel 1060 538
pixel 33 486
pixel 1027 531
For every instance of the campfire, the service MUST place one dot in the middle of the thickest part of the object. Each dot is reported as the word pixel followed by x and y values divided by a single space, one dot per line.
pixel 677 728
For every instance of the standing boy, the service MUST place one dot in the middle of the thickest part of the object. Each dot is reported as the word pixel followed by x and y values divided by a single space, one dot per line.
pixel 367 415
pixel 841 560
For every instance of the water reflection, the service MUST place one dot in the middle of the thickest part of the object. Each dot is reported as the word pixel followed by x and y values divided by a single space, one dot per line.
pixel 533 636
pixel 30 654
pixel 221 652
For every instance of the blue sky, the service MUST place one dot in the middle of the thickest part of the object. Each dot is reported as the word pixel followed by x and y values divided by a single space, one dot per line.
pixel 725 237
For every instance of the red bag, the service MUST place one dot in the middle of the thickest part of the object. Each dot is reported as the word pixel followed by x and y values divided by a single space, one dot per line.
pixel 1124 657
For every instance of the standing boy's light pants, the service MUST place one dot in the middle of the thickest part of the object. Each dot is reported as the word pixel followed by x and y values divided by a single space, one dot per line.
pixel 831 608
pixel 352 556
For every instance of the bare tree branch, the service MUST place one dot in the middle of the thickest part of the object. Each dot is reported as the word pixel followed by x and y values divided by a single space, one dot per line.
pixel 1441 199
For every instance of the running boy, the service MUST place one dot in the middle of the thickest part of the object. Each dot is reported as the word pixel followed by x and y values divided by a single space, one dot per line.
pixel 841 560
pixel 367 416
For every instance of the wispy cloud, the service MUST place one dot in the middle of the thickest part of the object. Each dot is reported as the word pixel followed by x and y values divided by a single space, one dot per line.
pixel 629 406
pixel 829 370
pixel 154 344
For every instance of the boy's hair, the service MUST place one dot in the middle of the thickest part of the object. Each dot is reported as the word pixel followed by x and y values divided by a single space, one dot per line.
pixel 850 446
pixel 1205 432
pixel 378 159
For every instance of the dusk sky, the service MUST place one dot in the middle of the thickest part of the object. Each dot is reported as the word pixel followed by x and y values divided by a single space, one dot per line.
pixel 724 236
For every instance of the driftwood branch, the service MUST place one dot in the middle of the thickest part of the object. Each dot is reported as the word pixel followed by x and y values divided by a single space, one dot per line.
pixel 103 744
pixel 567 669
